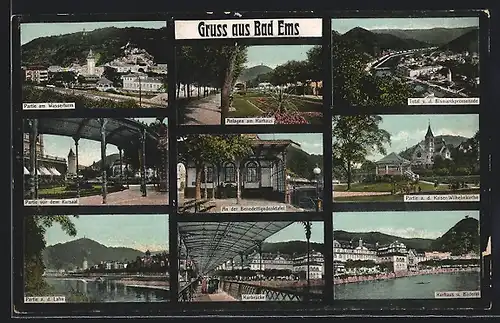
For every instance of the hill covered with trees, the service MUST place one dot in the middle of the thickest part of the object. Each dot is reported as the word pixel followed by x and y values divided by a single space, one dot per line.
pixel 106 43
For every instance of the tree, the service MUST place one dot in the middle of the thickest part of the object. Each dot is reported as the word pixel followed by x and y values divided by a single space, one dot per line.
pixel 355 137
pixel 198 149
pixel 353 85
pixel 238 148
pixel 35 228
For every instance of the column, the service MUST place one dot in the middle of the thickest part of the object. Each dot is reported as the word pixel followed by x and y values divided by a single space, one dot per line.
pixel 283 174
pixel 120 151
pixel 143 162
pixel 33 159
pixel 386 169
pixel 104 190
pixel 205 170
pixel 76 139
pixel 241 258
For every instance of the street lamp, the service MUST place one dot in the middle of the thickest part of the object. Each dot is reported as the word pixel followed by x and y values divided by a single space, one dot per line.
pixel 317 172
pixel 288 193
pixel 307 227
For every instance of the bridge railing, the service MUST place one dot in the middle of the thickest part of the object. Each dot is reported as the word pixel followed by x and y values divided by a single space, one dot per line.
pixel 236 289
pixel 187 293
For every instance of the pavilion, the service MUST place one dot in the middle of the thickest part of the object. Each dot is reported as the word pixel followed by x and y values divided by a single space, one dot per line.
pixel 123 133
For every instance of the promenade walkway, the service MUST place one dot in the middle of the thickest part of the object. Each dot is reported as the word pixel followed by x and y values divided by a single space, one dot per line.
pixel 205 111
pixel 131 196
pixel 219 296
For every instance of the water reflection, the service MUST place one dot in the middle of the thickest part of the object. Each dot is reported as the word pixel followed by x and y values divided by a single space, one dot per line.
pixel 77 290
pixel 414 287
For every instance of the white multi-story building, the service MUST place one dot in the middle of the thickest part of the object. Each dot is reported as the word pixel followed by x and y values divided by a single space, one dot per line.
pixel 316 266
pixel 141 82
pixel 395 255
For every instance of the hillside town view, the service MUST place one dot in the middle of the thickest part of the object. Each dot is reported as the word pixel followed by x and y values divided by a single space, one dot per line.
pixel 278 84
pixel 406 255
pixel 73 258
pixel 80 161
pixel 250 173
pixel 406 157
pixel 96 65
pixel 394 60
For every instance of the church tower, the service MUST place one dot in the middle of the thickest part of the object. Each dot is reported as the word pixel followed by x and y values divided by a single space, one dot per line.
pixel 91 63
pixel 71 163
pixel 429 143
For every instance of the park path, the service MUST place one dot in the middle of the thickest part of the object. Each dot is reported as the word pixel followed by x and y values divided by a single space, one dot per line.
pixel 131 196
pixel 205 111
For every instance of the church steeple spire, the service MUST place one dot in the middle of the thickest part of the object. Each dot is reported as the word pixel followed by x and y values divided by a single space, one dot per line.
pixel 429 133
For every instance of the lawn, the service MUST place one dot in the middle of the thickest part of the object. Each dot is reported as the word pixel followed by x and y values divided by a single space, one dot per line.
pixel 382 187
pixel 386 187
pixel 256 104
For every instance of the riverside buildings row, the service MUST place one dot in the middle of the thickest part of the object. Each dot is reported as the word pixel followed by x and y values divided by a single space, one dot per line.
pixel 395 257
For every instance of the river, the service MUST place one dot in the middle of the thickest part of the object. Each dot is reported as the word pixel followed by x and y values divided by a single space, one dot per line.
pixel 409 287
pixel 107 291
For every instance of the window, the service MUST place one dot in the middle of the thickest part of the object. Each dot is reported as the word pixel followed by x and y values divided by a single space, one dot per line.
pixel 210 175
pixel 229 173
pixel 251 174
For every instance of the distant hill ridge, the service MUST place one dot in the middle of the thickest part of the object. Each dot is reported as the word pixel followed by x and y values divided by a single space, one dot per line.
pixel 106 43
pixel 434 36
pixel 373 41
pixel 253 72
pixel 461 238
pixel 72 254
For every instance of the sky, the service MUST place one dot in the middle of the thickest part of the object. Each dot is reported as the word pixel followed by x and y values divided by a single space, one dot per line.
pixel 408 130
pixel 274 55
pixel 295 231
pixel 30 31
pixel 415 224
pixel 311 143
pixel 139 231
pixel 89 151
pixel 344 25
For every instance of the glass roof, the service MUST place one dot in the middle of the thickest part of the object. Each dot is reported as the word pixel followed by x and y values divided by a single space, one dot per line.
pixel 210 244
pixel 120 132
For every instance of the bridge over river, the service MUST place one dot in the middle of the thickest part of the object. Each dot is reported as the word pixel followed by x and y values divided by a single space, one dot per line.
pixel 208 246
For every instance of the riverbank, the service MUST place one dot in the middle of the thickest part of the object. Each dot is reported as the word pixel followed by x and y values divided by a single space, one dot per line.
pixel 377 277
pixel 163 285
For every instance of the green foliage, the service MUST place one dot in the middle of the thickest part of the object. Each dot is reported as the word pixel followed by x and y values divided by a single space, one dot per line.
pixel 382 238
pixel 34 244
pixel 354 138
pixel 353 85
pixel 32 94
pixel 71 254
pixel 106 43
pixel 461 239
pixel 292 247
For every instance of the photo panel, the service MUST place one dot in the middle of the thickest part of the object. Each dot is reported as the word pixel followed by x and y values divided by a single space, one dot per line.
pixel 250 173
pixel 96 258
pixel 236 74
pixel 95 161
pixel 251 261
pixel 407 255
pixel 405 61
pixel 406 158
pixel 103 64
pixel 270 84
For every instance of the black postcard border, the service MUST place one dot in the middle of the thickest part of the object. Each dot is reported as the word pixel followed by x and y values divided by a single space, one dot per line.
pixel 160 308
